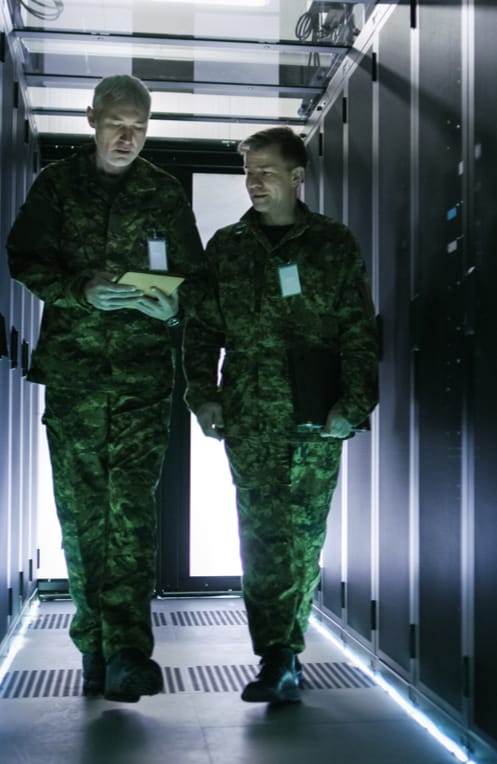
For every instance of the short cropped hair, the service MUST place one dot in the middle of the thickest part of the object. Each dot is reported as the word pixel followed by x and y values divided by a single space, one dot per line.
pixel 122 87
pixel 291 146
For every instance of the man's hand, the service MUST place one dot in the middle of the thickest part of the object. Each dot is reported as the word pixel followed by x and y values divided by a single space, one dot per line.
pixel 162 307
pixel 104 294
pixel 336 426
pixel 210 419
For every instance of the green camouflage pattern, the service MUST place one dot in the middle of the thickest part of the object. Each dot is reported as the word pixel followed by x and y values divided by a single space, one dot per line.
pixel 283 498
pixel 72 225
pixel 106 452
pixel 245 314
pixel 109 378
pixel 284 478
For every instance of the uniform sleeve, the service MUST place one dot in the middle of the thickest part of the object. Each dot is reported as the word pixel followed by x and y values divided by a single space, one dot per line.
pixel 358 341
pixel 33 246
pixel 203 339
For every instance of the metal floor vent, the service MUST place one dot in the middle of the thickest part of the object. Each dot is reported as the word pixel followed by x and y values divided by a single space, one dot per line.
pixel 63 683
pixel 159 618
pixel 43 683
pixel 51 621
pixel 207 617
pixel 317 676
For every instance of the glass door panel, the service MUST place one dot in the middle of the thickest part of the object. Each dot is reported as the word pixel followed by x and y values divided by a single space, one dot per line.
pixel 218 200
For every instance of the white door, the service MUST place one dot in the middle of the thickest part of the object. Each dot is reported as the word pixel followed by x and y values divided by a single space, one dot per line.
pixel 218 200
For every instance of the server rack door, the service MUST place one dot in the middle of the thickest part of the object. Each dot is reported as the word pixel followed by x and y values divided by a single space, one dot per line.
pixel 359 526
pixel 4 586
pixel 4 365
pixel 27 414
pixel 485 371
pixel 313 174
pixel 439 383
pixel 333 161
pixel 15 416
pixel 16 506
pixel 331 580
pixel 395 368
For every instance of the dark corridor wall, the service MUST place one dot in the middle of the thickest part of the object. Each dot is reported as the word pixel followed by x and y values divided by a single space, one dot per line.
pixel 405 153
pixel 19 318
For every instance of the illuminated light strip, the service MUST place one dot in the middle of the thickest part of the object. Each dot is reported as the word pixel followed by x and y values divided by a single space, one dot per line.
pixel 18 641
pixel 411 710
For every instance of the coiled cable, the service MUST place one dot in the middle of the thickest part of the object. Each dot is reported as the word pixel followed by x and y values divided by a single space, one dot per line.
pixel 45 10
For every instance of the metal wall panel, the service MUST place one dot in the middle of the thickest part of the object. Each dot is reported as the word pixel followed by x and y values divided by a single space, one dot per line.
pixel 333 161
pixel 17 412
pixel 436 226
pixel 18 408
pixel 394 285
pixel 6 76
pixel 439 377
pixel 485 400
pixel 4 380
pixel 313 174
pixel 359 524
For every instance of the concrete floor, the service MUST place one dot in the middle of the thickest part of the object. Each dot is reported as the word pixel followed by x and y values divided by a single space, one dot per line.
pixel 203 647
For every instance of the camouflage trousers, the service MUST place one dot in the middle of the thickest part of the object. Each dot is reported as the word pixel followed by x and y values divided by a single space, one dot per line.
pixel 106 451
pixel 283 493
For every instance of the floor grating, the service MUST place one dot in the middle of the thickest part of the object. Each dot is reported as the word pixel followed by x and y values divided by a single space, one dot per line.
pixel 61 683
pixel 51 621
pixel 159 618
pixel 209 618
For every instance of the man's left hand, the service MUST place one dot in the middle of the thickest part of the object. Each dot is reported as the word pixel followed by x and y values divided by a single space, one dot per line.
pixel 336 426
pixel 162 306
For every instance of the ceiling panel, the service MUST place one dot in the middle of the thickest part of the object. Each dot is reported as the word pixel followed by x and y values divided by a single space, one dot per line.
pixel 215 69
pixel 261 19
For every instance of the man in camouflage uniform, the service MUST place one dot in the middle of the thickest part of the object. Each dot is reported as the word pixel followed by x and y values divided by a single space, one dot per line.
pixel 282 278
pixel 106 356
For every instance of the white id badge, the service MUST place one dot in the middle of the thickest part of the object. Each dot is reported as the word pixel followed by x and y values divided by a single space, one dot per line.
pixel 157 257
pixel 289 280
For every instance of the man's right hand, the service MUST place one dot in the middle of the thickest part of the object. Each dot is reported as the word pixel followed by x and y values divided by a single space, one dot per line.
pixel 210 419
pixel 104 294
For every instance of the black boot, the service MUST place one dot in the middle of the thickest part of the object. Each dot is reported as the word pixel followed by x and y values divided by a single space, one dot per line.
pixel 277 681
pixel 299 670
pixel 130 675
pixel 93 673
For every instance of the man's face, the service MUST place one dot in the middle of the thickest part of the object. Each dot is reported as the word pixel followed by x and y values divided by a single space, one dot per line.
pixel 120 132
pixel 272 184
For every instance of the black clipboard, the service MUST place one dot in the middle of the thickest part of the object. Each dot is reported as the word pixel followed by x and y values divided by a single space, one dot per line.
pixel 315 383
pixel 315 380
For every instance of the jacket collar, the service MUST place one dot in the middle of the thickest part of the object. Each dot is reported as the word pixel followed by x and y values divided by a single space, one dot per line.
pixel 251 221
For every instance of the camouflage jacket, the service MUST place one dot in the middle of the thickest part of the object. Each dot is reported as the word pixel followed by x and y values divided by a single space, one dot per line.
pixel 245 314
pixel 72 225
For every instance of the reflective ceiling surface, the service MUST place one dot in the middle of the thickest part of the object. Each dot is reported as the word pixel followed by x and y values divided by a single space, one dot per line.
pixel 216 70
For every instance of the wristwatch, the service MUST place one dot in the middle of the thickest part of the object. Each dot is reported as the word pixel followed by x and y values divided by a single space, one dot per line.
pixel 175 321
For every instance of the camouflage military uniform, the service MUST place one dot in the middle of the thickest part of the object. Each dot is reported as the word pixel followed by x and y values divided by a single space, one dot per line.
pixel 284 477
pixel 108 377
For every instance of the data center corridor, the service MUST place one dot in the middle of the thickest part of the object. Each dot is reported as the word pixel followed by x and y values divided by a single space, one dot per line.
pixel 203 647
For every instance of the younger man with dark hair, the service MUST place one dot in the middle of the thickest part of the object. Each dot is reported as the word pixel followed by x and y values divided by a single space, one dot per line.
pixel 282 279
